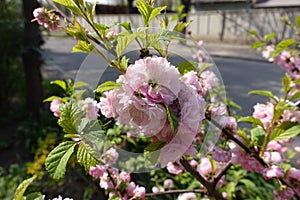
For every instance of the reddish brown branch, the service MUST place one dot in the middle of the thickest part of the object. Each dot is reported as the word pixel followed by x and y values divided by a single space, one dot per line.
pixel 175 192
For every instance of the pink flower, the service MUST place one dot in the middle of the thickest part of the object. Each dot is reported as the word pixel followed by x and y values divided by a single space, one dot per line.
pixel 290 115
pixel 110 157
pixel 110 35
pixel 297 149
pixel 229 123
pixel 293 174
pixel 130 188
pixel 204 167
pixel 187 196
pixel 106 181
pixel 217 110
pixel 107 104
pixel 210 78
pixel 221 155
pixel 191 79
pixel 151 72
pixel 90 107
pixel 46 18
pixel 272 157
pixel 125 177
pixel 54 107
pixel 266 53
pixel 168 183
pixel 273 172
pixel 264 112
pixel 274 145
pixel 174 168
pixel 193 163
pixel 98 171
pixel 155 189
pixel 60 198
pixel 139 192
pixel 285 194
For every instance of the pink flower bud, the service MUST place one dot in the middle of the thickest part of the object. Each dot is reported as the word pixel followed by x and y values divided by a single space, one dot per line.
pixel 139 192
pixel 168 183
pixel 54 107
pixel 125 177
pixel 273 172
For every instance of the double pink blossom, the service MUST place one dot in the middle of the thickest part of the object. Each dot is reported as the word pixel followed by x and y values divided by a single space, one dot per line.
pixel 273 172
pixel 264 112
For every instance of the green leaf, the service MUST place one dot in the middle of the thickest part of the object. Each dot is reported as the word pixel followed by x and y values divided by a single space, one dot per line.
pixel 51 98
pixel 127 26
pixel 253 120
pixel 248 183
pixel 181 25
pixel 123 41
pixel 155 12
pixel 91 8
pixel 86 156
pixel 256 45
pixel 124 62
pixel 269 37
pixel 297 81
pixel 57 159
pixel 298 21
pixel 22 188
pixel 114 197
pixel 76 30
pixel 34 196
pixel 186 66
pixel 60 83
pixel 154 146
pixel 295 96
pixel 286 83
pixel 83 47
pixel 154 41
pixel 172 118
pixel 203 66
pixel 70 117
pixel 147 11
pixel 101 28
pixel 253 32
pixel 80 84
pixel 109 85
pixel 257 136
pixel 278 110
pixel 284 44
pixel 69 4
pixel 264 93
pixel 151 153
pixel 232 104
pixel 285 130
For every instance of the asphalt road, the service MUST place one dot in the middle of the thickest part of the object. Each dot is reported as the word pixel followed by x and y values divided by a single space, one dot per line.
pixel 239 75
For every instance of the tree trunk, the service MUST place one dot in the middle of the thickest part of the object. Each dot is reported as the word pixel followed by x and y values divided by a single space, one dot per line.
pixel 31 59
pixel 187 5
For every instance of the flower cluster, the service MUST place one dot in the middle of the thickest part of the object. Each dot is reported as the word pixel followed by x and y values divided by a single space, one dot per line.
pixel 147 100
pixel 46 18
pixel 287 61
pixel 118 184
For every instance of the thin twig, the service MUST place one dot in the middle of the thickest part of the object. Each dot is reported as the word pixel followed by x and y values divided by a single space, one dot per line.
pixel 175 192
pixel 221 173
pixel 211 188
pixel 230 136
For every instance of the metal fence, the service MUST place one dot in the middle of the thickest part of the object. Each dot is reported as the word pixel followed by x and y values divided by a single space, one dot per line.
pixel 231 26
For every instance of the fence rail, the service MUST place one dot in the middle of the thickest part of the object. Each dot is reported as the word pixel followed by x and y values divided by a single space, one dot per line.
pixel 231 26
